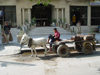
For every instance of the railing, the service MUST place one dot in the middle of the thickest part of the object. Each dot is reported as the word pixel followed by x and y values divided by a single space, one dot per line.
pixel 24 29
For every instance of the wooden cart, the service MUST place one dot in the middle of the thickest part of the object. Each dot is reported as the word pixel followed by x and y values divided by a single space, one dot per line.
pixel 63 50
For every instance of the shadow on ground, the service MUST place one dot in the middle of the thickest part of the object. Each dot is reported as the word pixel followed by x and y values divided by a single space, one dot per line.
pixel 52 56
pixel 5 64
pixel 81 55
pixel 2 46
pixel 49 57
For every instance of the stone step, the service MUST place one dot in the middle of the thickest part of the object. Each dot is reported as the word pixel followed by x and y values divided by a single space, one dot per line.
pixel 46 31
pixel 85 29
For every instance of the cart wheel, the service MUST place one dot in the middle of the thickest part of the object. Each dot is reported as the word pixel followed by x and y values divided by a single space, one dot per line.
pixel 87 49
pixel 63 51
pixel 55 48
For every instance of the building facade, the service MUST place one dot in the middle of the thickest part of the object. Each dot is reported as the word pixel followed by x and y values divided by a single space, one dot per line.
pixel 17 12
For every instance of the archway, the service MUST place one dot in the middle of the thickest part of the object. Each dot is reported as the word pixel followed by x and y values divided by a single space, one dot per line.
pixel 42 13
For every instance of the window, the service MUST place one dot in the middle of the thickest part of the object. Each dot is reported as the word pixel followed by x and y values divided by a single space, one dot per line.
pixel 9 15
pixel 78 14
pixel 95 15
pixel 1 18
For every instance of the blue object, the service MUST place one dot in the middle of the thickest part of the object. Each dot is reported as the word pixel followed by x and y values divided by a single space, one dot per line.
pixel 1 13
pixel 98 26
pixel 99 29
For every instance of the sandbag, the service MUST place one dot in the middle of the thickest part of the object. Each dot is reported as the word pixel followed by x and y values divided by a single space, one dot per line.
pixel 10 37
pixel 88 37
pixel 3 39
pixel 76 38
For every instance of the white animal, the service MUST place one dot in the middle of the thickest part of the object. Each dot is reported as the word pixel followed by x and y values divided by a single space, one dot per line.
pixel 32 43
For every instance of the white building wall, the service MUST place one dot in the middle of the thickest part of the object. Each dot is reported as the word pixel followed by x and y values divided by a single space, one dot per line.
pixel 7 2
pixel 57 4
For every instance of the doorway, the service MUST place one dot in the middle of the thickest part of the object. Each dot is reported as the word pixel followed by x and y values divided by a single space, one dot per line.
pixel 42 14
pixel 78 14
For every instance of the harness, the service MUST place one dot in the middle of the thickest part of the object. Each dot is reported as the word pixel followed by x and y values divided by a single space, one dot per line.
pixel 30 42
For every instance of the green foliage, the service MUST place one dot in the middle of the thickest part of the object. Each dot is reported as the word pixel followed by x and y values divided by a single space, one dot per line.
pixel 60 19
pixel 45 2
pixel 26 21
pixel 64 20
pixel 91 30
pixel 53 20
pixel 19 27
pixel 33 20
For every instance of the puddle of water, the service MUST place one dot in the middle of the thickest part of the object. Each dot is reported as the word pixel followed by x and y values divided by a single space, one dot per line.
pixel 3 64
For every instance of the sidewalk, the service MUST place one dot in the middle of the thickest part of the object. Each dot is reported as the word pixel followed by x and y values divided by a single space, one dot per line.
pixel 11 48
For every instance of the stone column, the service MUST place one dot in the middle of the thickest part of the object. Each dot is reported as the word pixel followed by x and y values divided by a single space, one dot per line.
pixel 89 16
pixel 67 14
pixel 62 15
pixel 18 16
pixel 57 15
pixel 0 28
pixel 29 15
pixel 23 13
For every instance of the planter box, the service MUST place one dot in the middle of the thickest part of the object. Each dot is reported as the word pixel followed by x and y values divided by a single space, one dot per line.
pixel 19 38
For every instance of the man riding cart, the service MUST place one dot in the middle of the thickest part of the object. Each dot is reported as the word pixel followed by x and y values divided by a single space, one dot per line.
pixel 53 38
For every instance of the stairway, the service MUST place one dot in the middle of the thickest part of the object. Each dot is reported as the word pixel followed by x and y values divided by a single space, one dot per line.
pixel 46 31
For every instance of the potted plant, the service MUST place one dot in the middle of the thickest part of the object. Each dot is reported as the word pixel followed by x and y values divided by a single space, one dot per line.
pixel 33 21
pixel 65 23
pixel 26 21
pixel 20 33
pixel 53 21
pixel 61 24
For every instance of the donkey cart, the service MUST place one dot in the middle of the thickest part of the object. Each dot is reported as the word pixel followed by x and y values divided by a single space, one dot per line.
pixel 84 44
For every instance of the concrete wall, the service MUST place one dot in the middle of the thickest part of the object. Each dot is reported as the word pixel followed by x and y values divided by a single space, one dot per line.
pixel 27 4
pixel 59 4
pixel 7 2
